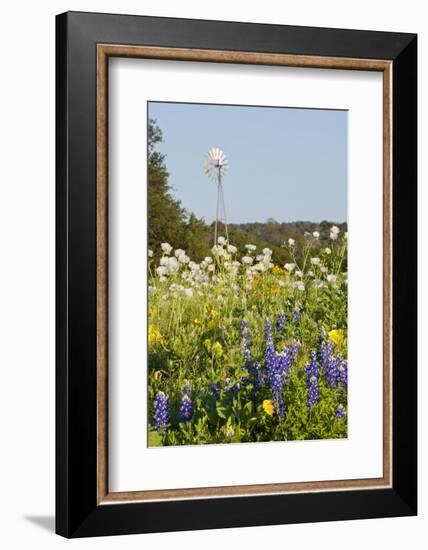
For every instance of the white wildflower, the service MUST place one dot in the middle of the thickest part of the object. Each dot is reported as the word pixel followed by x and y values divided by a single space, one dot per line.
pixel 267 251
pixel 217 250
pixel 331 278
pixel 299 285
pixel 161 271
pixel 221 240
pixel 150 253
pixel 166 248
pixel 193 266
pixel 188 292
pixel 324 270
pixel 334 229
pixel 250 247
pixel 316 234
pixel 291 242
pixel 327 251
pixel 247 260
pixel 232 249
pixel 179 252
pixel 315 261
pixel 299 273
pixel 333 236
pixel 289 267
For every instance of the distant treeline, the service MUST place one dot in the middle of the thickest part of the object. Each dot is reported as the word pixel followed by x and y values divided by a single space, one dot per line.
pixel 170 222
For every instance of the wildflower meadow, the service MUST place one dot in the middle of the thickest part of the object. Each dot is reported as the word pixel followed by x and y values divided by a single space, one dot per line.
pixel 245 349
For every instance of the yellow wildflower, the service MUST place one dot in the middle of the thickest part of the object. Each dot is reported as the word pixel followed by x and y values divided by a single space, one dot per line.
pixel 157 375
pixel 336 336
pixel 215 314
pixel 217 349
pixel 207 344
pixel 197 321
pixel 155 337
pixel 279 271
pixel 268 407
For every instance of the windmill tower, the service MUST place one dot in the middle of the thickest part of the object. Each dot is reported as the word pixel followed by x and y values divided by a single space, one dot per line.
pixel 215 166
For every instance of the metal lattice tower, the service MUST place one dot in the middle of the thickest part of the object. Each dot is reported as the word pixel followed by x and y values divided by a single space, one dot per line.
pixel 215 166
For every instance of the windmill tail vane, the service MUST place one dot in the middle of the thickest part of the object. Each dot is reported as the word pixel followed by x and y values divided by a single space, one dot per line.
pixel 215 167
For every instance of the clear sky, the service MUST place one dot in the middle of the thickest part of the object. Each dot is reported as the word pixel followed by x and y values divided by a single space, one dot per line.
pixel 286 164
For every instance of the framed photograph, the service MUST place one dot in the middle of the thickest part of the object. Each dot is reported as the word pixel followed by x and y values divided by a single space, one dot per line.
pixel 236 274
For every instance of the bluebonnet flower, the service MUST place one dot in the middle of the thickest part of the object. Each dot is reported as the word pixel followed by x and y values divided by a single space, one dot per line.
pixel 312 375
pixel 186 409
pixel 286 358
pixel 215 391
pixel 273 372
pixel 297 317
pixel 343 372
pixel 246 340
pixel 233 392
pixel 277 368
pixel 186 389
pixel 253 368
pixel 280 323
pixel 335 368
pixel 340 412
pixel 328 363
pixel 161 416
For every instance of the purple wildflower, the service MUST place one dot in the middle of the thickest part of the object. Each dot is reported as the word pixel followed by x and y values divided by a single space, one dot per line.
pixel 253 368
pixel 277 368
pixel 312 380
pixel 286 358
pixel 246 340
pixel 340 412
pixel 343 372
pixel 329 363
pixel 186 409
pixel 233 392
pixel 273 371
pixel 215 391
pixel 297 317
pixel 161 416
pixel 187 389
pixel 280 323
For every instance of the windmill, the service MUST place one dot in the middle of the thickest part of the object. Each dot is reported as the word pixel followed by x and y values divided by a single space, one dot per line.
pixel 215 166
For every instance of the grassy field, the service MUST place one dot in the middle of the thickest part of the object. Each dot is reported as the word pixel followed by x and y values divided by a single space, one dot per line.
pixel 242 349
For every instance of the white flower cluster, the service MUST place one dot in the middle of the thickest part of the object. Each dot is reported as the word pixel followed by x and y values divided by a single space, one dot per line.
pixel 334 232
pixel 179 289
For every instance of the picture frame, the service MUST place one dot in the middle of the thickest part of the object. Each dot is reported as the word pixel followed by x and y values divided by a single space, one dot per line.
pixel 84 44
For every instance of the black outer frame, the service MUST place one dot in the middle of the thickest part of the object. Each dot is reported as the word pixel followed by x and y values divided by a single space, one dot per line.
pixel 77 513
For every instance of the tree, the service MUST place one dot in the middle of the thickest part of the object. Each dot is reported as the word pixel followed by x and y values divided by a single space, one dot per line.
pixel 165 214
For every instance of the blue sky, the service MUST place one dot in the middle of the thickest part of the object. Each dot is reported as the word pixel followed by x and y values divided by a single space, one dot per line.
pixel 286 164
